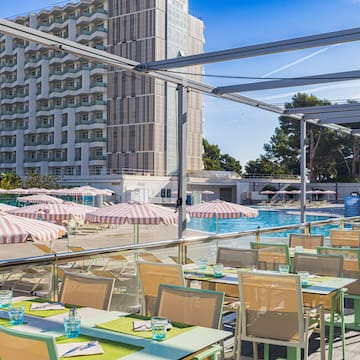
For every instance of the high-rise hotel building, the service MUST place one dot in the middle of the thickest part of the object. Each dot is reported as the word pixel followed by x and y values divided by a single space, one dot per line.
pixel 65 115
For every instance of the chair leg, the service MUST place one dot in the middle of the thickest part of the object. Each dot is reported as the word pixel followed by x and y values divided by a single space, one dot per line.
pixel 342 323
pixel 322 333
pixel 266 351
pixel 255 351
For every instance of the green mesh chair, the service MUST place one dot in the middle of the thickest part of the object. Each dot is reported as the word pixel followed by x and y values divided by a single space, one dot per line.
pixel 14 344
pixel 270 256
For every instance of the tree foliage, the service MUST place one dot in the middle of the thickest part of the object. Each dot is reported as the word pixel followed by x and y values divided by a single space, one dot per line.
pixel 331 156
pixel 39 181
pixel 10 181
pixel 214 160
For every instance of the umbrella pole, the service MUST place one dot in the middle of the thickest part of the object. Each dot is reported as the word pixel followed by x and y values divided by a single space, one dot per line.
pixel 136 256
pixel 217 230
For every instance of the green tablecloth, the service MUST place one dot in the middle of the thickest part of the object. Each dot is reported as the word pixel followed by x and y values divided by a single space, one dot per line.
pixel 125 325
pixel 112 349
pixel 40 313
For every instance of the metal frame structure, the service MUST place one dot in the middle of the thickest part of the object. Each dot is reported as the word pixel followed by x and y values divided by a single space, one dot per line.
pixel 339 118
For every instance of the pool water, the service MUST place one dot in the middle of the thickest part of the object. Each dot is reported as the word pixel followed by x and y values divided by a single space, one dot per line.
pixel 266 219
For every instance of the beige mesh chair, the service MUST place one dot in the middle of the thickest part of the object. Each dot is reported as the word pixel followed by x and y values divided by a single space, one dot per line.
pixel 350 238
pixel 270 256
pixel 323 265
pixel 351 268
pixel 272 312
pixel 15 344
pixel 191 306
pixel 238 258
pixel 306 241
pixel 151 276
pixel 87 290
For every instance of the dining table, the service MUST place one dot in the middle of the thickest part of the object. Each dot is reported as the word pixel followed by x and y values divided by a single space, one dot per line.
pixel 115 332
pixel 321 286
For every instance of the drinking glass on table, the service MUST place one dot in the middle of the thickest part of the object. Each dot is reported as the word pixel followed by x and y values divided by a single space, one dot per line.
pixel 158 327
pixel 16 314
pixel 218 269
pixel 284 268
pixel 5 298
pixel 201 263
pixel 72 326
pixel 304 277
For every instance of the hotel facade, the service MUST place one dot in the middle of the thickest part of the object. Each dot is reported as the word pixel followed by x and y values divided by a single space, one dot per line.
pixel 69 116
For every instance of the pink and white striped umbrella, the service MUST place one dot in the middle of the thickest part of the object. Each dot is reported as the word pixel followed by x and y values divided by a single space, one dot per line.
pixel 37 230
pixel 220 209
pixel 54 212
pixel 17 191
pixel 40 199
pixel 6 207
pixel 133 213
pixel 11 233
pixel 36 190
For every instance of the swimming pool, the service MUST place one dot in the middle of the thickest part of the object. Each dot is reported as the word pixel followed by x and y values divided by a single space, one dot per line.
pixel 266 219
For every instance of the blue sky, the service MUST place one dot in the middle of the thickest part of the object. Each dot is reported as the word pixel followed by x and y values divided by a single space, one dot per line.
pixel 240 130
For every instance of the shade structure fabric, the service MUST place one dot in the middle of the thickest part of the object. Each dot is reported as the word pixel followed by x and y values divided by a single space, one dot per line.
pixel 133 213
pixel 17 191
pixel 36 190
pixel 40 199
pixel 221 210
pixel 54 212
pixel 37 230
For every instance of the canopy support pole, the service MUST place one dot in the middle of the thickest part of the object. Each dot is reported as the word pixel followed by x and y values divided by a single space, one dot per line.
pixel 182 142
pixel 303 169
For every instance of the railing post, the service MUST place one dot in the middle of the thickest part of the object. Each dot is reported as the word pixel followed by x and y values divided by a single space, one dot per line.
pixel 307 229
pixel 54 280
pixel 341 225
pixel 257 236
pixel 182 252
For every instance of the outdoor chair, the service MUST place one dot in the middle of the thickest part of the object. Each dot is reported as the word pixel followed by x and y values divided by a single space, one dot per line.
pixel 349 238
pixel 322 265
pixel 307 241
pixel 151 276
pixel 15 344
pixel 87 290
pixel 351 268
pixel 238 258
pixel 270 256
pixel 191 306
pixel 272 312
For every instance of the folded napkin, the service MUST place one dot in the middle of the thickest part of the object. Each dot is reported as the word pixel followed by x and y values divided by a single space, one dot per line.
pixel 79 348
pixel 142 325
pixel 47 306
pixel 145 325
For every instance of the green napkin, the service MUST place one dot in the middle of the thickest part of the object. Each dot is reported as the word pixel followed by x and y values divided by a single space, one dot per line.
pixel 125 325
pixel 40 313
pixel 112 349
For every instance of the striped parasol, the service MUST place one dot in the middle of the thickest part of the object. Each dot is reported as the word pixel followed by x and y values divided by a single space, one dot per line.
pixel 11 233
pixel 54 212
pixel 7 207
pixel 40 199
pixel 36 230
pixel 133 213
pixel 220 209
